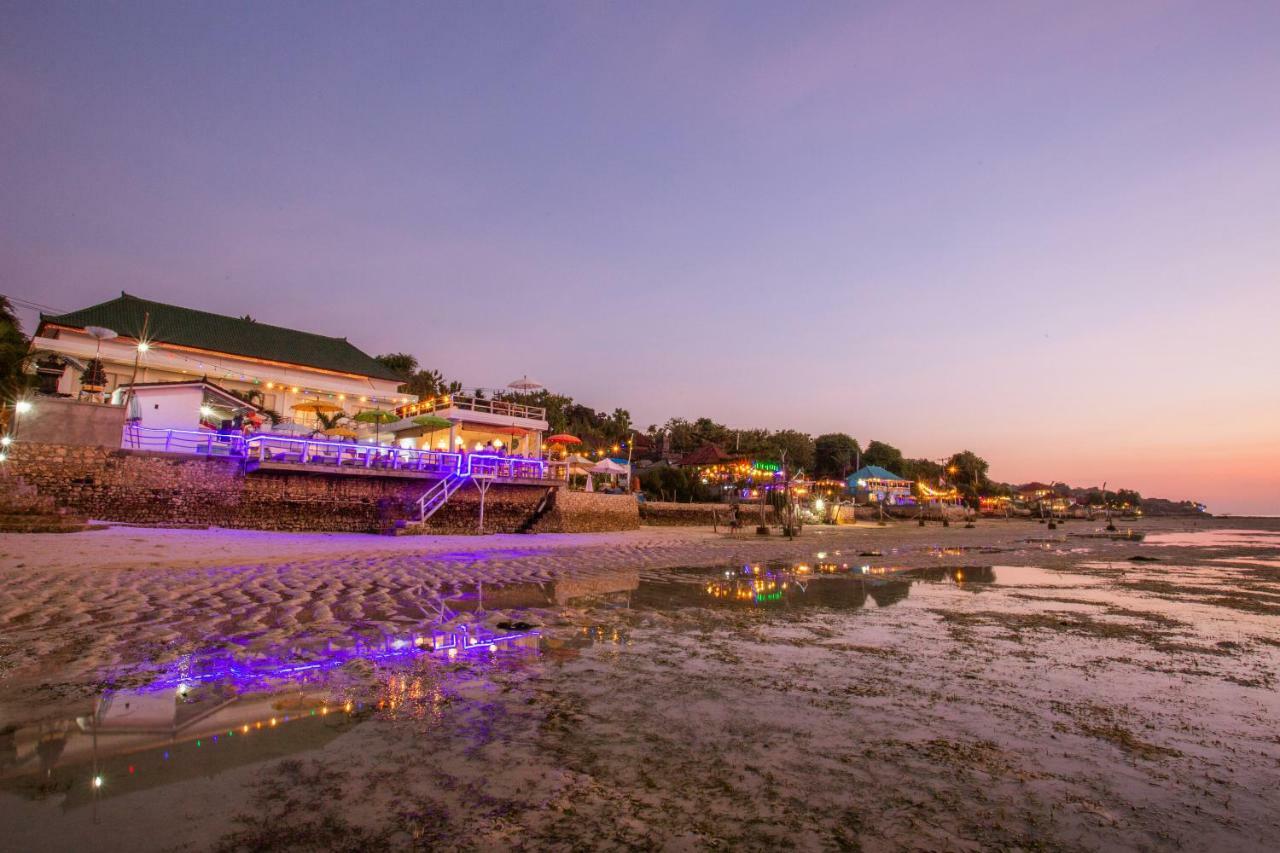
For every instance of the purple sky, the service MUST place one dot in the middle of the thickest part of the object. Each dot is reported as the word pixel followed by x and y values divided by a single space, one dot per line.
pixel 1046 232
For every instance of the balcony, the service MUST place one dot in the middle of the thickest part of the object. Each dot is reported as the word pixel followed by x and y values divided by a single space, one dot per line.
pixel 462 403
pixel 317 455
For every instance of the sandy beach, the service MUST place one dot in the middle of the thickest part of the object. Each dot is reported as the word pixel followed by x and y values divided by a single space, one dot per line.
pixel 857 688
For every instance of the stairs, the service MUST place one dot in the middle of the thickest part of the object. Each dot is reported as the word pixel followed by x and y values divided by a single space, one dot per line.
pixel 437 496
pixel 430 503
pixel 543 507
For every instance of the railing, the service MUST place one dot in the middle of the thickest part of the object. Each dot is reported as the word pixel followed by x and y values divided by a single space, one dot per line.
pixel 474 404
pixel 182 441
pixel 312 451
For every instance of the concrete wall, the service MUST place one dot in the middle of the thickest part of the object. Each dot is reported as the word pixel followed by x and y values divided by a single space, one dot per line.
pixel 170 407
pixel 59 420
pixel 180 489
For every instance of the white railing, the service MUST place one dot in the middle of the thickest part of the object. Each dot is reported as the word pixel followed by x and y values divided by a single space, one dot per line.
pixel 183 441
pixel 474 404
pixel 438 495
pixel 313 451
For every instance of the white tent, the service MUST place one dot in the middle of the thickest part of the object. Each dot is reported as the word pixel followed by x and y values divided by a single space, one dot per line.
pixel 608 466
pixel 578 465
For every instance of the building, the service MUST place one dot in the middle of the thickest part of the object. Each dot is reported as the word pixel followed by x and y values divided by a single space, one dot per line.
pixel 1033 493
pixel 873 484
pixel 474 423
pixel 138 341
pixel 188 405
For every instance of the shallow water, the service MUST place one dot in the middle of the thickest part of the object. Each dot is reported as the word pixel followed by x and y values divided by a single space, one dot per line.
pixel 811 703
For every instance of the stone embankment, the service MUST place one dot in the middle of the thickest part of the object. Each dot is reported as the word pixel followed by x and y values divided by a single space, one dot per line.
pixel 170 489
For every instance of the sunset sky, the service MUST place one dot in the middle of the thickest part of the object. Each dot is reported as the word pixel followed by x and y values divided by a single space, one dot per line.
pixel 1046 232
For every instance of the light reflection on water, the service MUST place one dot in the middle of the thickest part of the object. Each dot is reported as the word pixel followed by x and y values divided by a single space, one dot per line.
pixel 1217 538
pixel 208 713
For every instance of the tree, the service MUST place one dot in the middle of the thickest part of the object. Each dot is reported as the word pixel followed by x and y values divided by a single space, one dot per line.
pixel 254 397
pixel 834 455
pixel 14 354
pixel 921 470
pixel 330 421
pixel 798 447
pixel 885 456
pixel 967 471
pixel 1128 496
pixel 400 363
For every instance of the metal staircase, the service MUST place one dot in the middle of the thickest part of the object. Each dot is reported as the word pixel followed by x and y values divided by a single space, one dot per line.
pixel 438 495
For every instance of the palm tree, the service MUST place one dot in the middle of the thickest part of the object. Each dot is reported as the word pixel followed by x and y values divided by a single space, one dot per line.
pixel 330 421
pixel 254 397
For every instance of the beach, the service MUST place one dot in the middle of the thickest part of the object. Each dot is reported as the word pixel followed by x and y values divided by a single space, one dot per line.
pixel 859 687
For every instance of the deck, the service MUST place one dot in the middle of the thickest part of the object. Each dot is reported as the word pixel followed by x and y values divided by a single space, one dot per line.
pixel 322 456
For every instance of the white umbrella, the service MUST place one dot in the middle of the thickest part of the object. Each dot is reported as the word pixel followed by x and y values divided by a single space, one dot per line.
pixel 102 333
pixel 524 383
pixel 291 428
pixel 608 466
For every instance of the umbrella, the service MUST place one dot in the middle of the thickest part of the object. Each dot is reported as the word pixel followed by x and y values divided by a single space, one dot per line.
pixel 292 428
pixel 315 406
pixel 377 417
pixel 608 466
pixel 524 383
pixel 341 432
pixel 564 438
pixel 431 423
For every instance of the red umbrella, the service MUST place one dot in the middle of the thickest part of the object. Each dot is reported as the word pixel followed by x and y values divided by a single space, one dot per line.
pixel 563 438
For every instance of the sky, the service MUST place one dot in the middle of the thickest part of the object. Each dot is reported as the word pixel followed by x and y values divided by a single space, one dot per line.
pixel 1045 232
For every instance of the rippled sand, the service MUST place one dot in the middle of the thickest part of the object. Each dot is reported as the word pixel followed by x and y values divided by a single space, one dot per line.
pixel 970 689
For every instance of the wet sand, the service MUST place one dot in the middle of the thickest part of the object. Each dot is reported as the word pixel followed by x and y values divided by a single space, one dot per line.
pixel 1005 686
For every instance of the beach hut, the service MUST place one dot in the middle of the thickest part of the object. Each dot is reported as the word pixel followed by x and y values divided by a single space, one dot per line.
pixel 874 484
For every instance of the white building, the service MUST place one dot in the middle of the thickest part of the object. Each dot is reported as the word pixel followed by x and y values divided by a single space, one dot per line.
pixel 149 342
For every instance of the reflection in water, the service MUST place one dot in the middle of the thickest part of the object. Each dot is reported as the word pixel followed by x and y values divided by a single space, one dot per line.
pixel 210 713
pixel 1218 538
pixel 796 585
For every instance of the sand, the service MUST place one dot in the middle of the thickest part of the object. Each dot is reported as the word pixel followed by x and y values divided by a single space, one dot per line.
pixel 974 690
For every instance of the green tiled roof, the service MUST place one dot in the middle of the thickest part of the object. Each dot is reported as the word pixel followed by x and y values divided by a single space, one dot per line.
pixel 187 327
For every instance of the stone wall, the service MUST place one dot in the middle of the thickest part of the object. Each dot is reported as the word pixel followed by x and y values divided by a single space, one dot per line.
pixel 178 489
pixel 61 420
pixel 668 514
pixel 589 512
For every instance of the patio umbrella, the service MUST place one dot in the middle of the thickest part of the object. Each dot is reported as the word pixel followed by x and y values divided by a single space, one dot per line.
pixel 377 417
pixel 563 438
pixel 341 432
pixel 431 423
pixel 524 383
pixel 292 428
pixel 316 407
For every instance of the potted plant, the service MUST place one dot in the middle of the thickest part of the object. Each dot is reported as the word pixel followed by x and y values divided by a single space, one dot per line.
pixel 94 377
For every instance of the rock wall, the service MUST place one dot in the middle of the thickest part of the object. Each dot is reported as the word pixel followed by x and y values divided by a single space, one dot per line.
pixel 177 489
pixel 589 512
pixel 664 513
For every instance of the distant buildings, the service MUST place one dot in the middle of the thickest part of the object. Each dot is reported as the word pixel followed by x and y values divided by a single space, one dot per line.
pixel 873 484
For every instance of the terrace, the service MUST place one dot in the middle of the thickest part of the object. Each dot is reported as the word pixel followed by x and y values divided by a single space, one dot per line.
pixel 321 455
pixel 462 403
